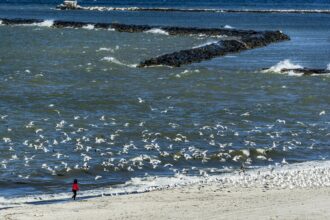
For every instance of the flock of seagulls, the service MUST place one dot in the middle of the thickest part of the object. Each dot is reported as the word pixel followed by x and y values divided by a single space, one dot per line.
pixel 106 145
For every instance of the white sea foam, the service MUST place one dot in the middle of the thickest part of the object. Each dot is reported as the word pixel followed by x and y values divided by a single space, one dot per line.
pixel 1 22
pixel 89 26
pixel 115 61
pixel 207 43
pixel 228 27
pixel 300 175
pixel 46 23
pixel 328 66
pixel 186 72
pixel 285 64
pixel 157 31
pixel 106 49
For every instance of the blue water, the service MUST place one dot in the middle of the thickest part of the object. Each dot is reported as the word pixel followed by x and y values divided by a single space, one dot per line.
pixel 229 4
pixel 72 105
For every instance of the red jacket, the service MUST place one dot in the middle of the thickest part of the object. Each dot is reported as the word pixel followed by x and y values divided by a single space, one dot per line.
pixel 75 186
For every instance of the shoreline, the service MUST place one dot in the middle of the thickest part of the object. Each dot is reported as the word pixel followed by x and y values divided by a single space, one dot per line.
pixel 305 182
pixel 194 202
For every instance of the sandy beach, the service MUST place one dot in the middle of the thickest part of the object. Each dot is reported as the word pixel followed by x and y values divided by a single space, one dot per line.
pixel 211 201
pixel 298 191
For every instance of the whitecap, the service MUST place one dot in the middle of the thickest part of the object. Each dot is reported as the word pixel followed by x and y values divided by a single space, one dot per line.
pixel 285 64
pixel 186 72
pixel 282 65
pixel 328 66
pixel 115 61
pixel 89 26
pixel 207 43
pixel 46 23
pixel 157 31
pixel 105 49
pixel 228 27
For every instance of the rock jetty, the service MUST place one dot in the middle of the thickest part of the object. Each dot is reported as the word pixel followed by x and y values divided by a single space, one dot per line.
pixel 231 40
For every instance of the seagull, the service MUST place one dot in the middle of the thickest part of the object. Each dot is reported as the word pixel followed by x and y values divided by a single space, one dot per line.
pixel 58 112
pixel 3 117
pixel 98 177
pixel 30 125
pixel 140 100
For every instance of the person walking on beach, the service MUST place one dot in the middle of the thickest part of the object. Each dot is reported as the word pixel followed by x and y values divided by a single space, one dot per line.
pixel 75 188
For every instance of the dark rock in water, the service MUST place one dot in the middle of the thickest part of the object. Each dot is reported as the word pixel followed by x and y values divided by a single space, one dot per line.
pixel 176 59
pixel 102 25
pixel 73 24
pixel 130 28
pixel 19 21
pixel 220 48
pixel 307 71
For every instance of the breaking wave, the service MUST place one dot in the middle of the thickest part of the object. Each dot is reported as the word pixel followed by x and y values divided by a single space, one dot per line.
pixel 228 27
pixel 282 65
pixel 89 27
pixel 46 23
pixel 157 31
pixel 115 61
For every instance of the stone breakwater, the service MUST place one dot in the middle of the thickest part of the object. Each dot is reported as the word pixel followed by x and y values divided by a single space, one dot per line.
pixel 238 40
pixel 195 10
pixel 232 40
pixel 220 48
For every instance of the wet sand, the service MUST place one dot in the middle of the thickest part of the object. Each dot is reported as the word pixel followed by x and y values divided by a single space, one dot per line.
pixel 210 201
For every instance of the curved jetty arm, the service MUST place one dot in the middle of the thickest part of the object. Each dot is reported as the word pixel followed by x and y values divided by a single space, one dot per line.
pixel 245 39
pixel 220 48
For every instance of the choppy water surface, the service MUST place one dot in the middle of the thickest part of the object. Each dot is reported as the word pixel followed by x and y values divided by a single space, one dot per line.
pixel 73 105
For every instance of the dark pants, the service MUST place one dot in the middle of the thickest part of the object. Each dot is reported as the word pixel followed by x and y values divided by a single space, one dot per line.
pixel 74 194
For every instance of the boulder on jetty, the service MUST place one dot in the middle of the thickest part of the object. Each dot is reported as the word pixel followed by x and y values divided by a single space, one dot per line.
pixel 19 21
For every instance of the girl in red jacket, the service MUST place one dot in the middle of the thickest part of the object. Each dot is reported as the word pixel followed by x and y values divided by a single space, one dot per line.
pixel 75 188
